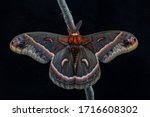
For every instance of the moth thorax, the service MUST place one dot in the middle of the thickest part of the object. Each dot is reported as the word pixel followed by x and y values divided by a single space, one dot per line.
pixel 75 38
pixel 75 34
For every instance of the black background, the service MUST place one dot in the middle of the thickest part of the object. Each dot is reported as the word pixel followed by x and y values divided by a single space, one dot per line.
pixel 126 77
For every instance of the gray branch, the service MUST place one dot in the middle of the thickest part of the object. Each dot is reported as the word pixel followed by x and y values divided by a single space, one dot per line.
pixel 67 15
pixel 89 92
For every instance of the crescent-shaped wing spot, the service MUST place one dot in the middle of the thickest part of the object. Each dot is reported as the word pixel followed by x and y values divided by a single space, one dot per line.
pixel 64 61
pixel 84 60
pixel 100 39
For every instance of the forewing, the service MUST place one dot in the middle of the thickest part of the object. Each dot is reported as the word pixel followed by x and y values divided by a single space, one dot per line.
pixel 41 46
pixel 109 44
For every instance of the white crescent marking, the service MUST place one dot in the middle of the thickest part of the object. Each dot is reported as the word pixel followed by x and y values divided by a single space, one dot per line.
pixel 64 61
pixel 85 61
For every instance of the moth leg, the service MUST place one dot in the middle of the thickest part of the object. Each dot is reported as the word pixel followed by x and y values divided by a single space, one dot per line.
pixel 89 92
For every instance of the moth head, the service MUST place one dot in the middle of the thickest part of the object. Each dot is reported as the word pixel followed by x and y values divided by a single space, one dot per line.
pixel 123 43
pixel 75 32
